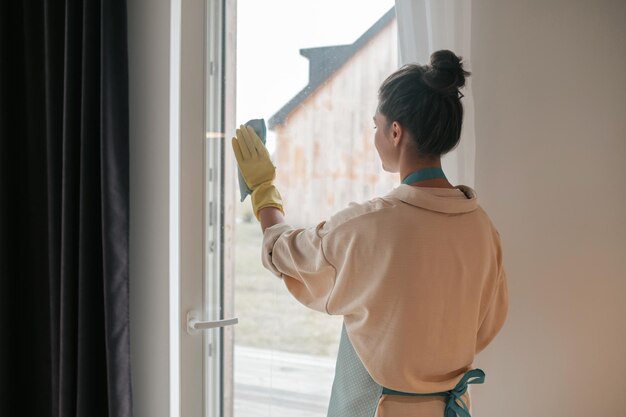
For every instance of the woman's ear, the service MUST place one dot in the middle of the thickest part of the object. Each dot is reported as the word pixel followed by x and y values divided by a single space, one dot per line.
pixel 397 133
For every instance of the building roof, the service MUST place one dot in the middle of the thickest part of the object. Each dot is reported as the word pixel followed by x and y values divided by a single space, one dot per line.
pixel 324 62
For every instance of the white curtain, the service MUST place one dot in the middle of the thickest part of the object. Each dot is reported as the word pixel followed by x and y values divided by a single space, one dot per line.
pixel 425 26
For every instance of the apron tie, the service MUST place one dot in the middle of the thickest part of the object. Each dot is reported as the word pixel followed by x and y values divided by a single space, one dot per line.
pixel 453 408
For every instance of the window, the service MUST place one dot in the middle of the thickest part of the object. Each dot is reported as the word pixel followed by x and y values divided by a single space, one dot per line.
pixel 312 71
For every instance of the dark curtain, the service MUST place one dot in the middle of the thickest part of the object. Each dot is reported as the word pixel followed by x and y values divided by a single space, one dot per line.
pixel 64 331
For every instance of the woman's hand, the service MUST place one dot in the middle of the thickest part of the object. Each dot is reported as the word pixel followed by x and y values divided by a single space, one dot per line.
pixel 257 169
pixel 253 158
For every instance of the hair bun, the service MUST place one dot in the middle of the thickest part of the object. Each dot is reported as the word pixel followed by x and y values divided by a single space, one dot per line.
pixel 445 73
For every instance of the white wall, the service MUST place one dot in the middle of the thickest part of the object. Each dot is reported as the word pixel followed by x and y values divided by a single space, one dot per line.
pixel 550 92
pixel 149 61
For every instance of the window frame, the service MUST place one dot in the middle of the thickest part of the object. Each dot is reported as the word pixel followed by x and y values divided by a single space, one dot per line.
pixel 205 233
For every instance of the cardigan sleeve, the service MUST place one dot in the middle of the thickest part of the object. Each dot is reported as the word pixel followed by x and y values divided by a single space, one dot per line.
pixel 497 309
pixel 297 256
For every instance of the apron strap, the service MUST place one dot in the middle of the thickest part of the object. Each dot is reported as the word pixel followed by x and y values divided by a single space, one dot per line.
pixel 453 408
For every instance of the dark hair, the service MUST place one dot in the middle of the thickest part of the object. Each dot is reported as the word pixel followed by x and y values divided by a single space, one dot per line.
pixel 426 101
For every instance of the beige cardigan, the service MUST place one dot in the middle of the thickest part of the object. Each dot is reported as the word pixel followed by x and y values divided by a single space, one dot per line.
pixel 417 275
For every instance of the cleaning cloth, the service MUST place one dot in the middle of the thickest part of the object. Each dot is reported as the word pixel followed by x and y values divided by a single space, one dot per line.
pixel 259 127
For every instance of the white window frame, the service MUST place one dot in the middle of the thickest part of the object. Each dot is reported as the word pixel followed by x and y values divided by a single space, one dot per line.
pixel 206 216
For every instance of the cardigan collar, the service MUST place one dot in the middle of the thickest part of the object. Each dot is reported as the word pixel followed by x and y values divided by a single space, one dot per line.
pixel 444 200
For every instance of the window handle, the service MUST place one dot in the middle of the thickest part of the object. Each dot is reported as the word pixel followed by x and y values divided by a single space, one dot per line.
pixel 194 324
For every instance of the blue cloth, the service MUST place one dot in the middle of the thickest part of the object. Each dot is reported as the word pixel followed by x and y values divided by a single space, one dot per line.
pixel 356 394
pixel 259 127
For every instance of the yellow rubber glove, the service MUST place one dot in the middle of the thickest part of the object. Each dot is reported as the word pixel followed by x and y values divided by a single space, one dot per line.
pixel 257 169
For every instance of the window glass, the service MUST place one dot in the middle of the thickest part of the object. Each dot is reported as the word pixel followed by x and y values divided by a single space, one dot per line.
pixel 312 71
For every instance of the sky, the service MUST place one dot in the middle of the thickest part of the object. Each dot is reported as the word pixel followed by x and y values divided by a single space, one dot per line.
pixel 270 34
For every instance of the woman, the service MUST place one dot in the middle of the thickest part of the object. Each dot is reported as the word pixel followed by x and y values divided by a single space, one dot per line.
pixel 416 274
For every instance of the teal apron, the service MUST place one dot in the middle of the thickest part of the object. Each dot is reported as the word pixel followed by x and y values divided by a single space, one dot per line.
pixel 356 394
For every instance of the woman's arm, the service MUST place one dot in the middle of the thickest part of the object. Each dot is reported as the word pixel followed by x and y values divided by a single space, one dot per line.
pixel 270 216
